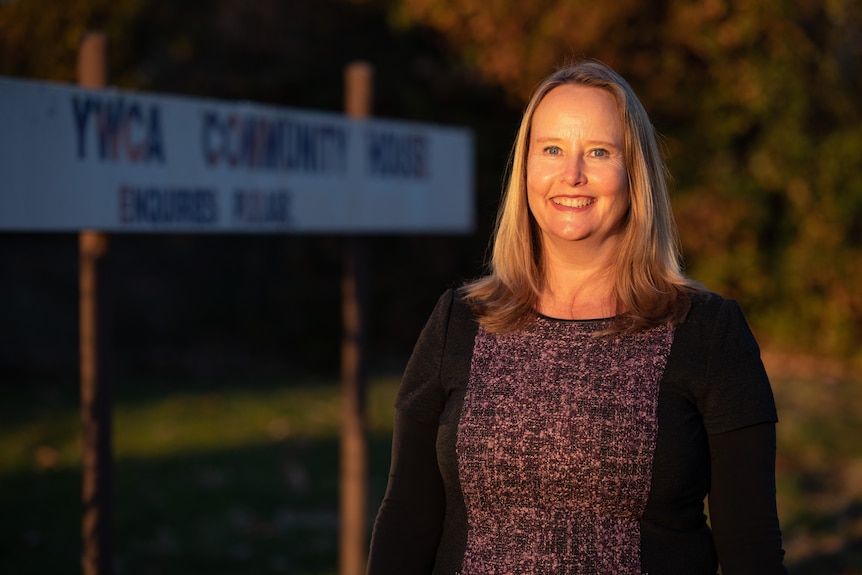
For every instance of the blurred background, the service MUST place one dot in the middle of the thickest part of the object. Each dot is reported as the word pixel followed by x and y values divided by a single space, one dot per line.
pixel 226 348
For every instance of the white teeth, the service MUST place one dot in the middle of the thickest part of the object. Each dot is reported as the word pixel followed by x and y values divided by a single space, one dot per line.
pixel 573 202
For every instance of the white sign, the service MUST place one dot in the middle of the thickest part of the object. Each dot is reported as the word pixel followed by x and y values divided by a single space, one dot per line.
pixel 111 160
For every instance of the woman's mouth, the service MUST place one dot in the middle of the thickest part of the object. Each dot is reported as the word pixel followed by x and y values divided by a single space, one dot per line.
pixel 573 202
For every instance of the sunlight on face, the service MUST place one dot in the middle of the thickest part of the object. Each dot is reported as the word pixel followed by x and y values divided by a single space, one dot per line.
pixel 577 186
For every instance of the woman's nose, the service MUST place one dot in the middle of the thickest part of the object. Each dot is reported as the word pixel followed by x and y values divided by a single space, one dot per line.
pixel 573 172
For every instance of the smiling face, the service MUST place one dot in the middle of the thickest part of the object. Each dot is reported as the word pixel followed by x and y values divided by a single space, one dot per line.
pixel 577 186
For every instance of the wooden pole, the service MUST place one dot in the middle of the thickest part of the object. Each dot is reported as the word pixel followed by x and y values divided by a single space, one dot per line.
pixel 354 451
pixel 97 556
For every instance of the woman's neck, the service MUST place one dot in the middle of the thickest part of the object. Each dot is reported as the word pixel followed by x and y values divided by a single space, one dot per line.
pixel 577 289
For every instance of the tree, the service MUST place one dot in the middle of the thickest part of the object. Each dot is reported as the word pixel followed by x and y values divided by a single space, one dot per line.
pixel 755 101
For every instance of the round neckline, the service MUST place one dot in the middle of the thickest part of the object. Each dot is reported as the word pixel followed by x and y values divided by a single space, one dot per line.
pixel 583 321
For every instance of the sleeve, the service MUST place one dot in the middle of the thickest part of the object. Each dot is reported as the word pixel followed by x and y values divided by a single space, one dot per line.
pixel 421 392
pixel 739 415
pixel 409 523
pixel 737 392
pixel 742 504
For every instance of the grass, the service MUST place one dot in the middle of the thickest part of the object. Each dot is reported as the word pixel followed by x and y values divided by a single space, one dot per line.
pixel 219 480
pixel 242 478
pixel 819 466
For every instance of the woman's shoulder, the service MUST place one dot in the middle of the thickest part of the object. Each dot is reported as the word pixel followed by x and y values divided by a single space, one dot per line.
pixel 454 308
pixel 451 318
pixel 709 306
pixel 715 320
pixel 704 299
pixel 452 302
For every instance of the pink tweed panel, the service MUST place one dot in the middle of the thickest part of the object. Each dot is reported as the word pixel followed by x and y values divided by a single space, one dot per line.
pixel 555 448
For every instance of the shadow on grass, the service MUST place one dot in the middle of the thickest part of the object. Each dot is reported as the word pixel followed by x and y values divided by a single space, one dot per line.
pixel 243 477
pixel 267 508
pixel 221 478
pixel 846 559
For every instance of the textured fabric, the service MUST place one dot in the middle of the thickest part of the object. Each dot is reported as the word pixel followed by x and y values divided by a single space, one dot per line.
pixel 714 389
pixel 555 448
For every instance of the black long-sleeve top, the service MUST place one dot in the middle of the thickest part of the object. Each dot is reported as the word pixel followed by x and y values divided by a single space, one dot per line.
pixel 560 453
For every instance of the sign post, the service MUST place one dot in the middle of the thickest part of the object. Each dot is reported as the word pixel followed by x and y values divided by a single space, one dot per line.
pixel 354 287
pixel 96 416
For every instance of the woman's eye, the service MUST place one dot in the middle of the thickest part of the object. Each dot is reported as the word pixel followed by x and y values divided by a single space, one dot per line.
pixel 600 153
pixel 553 150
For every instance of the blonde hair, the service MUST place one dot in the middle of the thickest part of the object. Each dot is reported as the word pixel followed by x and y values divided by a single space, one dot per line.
pixel 649 285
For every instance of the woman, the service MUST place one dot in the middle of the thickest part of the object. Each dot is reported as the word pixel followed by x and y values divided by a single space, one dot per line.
pixel 569 412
